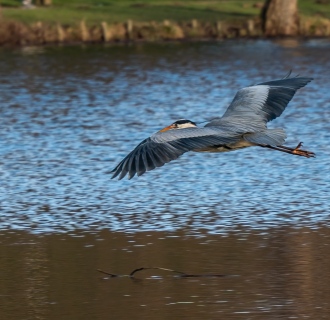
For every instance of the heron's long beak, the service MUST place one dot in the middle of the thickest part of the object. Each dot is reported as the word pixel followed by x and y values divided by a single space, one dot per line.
pixel 167 128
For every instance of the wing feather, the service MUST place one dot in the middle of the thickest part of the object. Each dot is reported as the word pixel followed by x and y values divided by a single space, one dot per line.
pixel 262 102
pixel 163 147
pixel 273 137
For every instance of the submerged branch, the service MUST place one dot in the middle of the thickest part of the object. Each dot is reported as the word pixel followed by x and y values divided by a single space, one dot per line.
pixel 180 273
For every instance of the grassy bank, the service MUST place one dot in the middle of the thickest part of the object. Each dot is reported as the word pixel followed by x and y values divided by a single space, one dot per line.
pixel 93 11
pixel 114 20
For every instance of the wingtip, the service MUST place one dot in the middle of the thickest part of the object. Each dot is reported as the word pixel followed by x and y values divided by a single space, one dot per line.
pixel 114 173
pixel 132 174
pixel 287 76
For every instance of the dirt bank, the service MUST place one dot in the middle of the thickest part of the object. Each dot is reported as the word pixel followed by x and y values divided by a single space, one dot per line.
pixel 16 33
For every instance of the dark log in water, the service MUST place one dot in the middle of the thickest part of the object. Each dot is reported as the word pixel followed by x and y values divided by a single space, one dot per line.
pixel 178 273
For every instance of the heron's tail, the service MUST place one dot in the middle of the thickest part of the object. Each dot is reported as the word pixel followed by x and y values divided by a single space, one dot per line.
pixel 272 137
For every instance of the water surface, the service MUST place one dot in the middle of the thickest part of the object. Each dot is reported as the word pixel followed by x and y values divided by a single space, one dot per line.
pixel 68 115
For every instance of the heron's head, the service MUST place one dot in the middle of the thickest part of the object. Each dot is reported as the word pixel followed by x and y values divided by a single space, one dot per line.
pixel 180 124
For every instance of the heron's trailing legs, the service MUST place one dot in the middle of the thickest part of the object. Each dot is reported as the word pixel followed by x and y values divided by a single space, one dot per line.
pixel 297 151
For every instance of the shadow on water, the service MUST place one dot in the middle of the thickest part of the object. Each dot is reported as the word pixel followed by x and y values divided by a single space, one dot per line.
pixel 69 114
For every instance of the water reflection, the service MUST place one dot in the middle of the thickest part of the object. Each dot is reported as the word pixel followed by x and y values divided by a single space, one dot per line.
pixel 279 274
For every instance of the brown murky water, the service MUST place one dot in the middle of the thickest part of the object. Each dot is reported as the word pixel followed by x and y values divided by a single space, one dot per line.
pixel 279 275
pixel 68 115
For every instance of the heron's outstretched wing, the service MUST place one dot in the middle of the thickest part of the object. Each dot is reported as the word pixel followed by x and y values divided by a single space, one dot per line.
pixel 163 147
pixel 262 102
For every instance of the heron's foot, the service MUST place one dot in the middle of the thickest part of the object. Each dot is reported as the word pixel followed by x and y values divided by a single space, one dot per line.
pixel 303 153
pixel 297 151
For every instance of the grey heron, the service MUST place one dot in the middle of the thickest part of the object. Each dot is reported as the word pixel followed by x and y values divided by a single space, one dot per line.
pixel 244 124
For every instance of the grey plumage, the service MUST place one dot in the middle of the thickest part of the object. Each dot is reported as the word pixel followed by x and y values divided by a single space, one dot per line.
pixel 243 124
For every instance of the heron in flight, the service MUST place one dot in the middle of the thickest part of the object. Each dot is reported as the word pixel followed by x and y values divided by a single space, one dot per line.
pixel 244 124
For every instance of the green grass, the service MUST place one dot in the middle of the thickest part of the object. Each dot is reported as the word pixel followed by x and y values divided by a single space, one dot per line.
pixel 311 8
pixel 95 11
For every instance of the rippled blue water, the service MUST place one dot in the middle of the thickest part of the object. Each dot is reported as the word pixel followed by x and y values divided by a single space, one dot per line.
pixel 69 115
